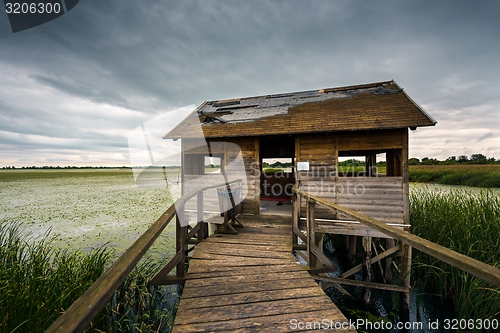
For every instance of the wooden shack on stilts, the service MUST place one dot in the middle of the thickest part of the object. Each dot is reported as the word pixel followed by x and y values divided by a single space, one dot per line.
pixel 315 130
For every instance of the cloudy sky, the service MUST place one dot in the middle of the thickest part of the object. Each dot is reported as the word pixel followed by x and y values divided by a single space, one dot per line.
pixel 74 89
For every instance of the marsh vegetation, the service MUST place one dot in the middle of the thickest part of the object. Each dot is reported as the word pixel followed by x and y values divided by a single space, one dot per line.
pixel 59 231
pixel 467 221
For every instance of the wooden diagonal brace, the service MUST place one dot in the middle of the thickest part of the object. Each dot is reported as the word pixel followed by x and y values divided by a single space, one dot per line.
pixel 375 259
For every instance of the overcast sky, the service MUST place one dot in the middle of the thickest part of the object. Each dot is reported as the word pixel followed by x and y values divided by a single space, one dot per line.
pixel 72 90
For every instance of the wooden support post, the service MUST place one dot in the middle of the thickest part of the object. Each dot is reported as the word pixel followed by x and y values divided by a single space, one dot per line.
pixel 180 242
pixel 295 218
pixel 367 276
pixel 199 212
pixel 311 234
pixel 405 267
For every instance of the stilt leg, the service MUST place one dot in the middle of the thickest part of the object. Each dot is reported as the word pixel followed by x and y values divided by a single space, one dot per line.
pixel 367 275
pixel 404 305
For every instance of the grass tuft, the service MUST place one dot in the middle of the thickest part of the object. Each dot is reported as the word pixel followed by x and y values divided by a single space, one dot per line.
pixel 467 222
pixel 38 281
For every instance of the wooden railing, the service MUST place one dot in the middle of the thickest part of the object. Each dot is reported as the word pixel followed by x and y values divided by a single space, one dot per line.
pixel 477 268
pixel 79 315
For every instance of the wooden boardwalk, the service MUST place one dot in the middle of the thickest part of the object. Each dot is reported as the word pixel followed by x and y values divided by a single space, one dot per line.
pixel 251 282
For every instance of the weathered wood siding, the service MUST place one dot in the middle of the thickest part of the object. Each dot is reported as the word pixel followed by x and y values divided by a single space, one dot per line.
pixel 382 197
pixel 377 197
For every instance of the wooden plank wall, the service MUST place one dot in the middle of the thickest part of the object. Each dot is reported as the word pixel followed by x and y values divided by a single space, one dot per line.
pixel 378 197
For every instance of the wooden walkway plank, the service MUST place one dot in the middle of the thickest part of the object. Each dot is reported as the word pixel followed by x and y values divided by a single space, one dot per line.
pixel 236 270
pixel 239 279
pixel 251 297
pixel 249 287
pixel 250 310
pixel 253 245
pixel 274 323
pixel 251 282
pixel 213 253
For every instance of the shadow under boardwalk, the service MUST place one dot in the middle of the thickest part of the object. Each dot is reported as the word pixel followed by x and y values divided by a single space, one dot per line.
pixel 251 282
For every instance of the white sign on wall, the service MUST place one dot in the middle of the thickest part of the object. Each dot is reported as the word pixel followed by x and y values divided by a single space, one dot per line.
pixel 303 166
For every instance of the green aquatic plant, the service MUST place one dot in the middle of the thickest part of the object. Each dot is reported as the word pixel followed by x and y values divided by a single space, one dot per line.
pixel 38 281
pixel 467 222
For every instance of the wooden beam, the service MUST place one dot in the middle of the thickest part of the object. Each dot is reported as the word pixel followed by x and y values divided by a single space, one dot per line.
pixel 299 233
pixel 365 284
pixel 193 231
pixel 373 260
pixel 311 235
pixel 301 247
pixel 199 212
pixel 323 258
pixel 162 273
pixel 367 272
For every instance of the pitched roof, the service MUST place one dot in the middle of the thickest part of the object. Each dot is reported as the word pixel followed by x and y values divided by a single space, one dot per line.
pixel 381 105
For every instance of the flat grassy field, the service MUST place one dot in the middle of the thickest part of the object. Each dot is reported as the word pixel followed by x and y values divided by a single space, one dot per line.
pixel 487 175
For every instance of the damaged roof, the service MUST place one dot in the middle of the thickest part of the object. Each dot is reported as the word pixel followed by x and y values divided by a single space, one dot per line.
pixel 381 105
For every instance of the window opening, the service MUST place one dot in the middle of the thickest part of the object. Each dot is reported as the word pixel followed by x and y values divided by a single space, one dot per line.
pixel 212 165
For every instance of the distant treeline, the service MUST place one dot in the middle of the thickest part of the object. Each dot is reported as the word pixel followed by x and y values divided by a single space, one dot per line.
pixel 462 159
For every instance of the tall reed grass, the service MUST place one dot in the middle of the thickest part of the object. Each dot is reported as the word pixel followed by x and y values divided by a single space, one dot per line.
pixel 137 307
pixel 469 223
pixel 38 282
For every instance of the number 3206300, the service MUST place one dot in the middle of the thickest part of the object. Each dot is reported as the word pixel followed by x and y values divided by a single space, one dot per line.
pixel 32 8
pixel 471 324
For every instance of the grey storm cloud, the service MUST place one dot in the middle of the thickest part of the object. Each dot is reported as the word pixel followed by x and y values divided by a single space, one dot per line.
pixel 94 74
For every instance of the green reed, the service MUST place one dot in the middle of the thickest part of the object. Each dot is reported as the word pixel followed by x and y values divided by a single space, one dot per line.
pixel 38 281
pixel 469 223
pixel 138 307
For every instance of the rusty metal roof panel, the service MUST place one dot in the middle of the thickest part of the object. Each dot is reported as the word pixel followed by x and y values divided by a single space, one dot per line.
pixel 382 105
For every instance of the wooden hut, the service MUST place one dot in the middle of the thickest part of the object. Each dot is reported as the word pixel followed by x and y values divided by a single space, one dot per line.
pixel 314 129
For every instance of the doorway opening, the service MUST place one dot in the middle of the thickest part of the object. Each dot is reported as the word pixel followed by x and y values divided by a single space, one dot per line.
pixel 277 175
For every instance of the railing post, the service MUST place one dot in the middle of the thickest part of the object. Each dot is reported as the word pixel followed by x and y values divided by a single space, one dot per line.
pixel 180 242
pixel 295 217
pixel 311 234
pixel 199 212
